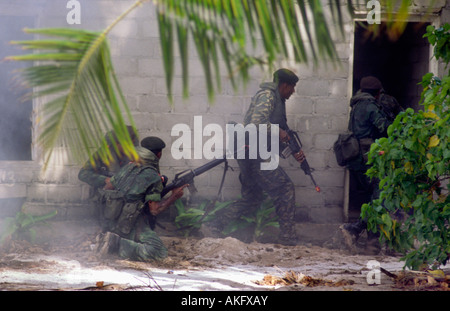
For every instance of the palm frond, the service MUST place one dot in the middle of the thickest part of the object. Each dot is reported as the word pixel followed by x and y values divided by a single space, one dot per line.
pixel 228 30
pixel 74 67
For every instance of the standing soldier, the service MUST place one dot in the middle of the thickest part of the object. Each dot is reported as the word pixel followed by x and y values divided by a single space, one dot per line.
pixel 367 122
pixel 268 106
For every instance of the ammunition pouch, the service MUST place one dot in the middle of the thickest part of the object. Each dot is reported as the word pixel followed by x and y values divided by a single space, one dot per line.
pixel 128 218
pixel 346 148
pixel 121 216
pixel 112 204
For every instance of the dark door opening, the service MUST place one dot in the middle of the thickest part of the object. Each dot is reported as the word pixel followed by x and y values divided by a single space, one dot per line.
pixel 399 65
pixel 15 112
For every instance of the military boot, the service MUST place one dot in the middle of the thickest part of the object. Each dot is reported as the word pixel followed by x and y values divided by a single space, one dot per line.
pixel 108 243
pixel 351 233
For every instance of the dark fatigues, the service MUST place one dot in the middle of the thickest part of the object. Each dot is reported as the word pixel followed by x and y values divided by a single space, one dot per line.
pixel 95 174
pixel 390 106
pixel 368 122
pixel 267 107
pixel 125 208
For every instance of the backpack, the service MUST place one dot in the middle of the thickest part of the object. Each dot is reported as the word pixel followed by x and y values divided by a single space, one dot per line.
pixel 346 148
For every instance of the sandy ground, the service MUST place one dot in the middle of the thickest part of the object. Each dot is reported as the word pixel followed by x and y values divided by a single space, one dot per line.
pixel 198 264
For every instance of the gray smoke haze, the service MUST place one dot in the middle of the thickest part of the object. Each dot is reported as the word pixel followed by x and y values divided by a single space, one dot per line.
pixel 15 120
pixel 15 111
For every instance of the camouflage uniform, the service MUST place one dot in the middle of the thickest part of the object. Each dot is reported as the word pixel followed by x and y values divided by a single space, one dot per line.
pixel 95 174
pixel 125 208
pixel 267 107
pixel 390 106
pixel 368 122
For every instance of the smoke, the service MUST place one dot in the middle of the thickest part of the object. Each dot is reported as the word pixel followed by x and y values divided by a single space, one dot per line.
pixel 16 108
pixel 15 112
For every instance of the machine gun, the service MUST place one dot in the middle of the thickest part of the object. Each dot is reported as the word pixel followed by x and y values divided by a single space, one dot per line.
pixel 187 177
pixel 293 146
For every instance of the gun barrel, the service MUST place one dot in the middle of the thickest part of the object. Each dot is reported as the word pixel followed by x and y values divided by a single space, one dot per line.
pixel 188 177
pixel 206 167
pixel 304 165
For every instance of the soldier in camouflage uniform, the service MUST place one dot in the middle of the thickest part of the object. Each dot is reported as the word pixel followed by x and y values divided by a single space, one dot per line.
pixel 268 107
pixel 134 194
pixel 98 174
pixel 368 122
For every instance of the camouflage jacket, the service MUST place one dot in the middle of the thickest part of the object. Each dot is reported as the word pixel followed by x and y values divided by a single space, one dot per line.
pixel 95 174
pixel 267 107
pixel 140 181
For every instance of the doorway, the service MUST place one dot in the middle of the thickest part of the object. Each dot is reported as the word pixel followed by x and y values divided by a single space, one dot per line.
pixel 399 65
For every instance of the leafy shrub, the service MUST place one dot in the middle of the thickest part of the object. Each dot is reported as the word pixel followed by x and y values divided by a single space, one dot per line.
pixel 21 226
pixel 412 164
pixel 191 218
pixel 260 219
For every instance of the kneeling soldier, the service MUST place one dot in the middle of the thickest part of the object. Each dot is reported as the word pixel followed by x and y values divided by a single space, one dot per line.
pixel 134 194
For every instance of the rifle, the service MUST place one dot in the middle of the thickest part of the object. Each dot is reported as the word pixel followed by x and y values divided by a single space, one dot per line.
pixel 187 177
pixel 294 145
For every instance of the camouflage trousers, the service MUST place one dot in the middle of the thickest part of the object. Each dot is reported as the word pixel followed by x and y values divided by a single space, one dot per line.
pixel 142 243
pixel 128 220
pixel 255 183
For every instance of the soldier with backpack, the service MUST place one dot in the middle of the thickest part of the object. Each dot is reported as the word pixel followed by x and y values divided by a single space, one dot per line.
pixel 368 121
pixel 134 194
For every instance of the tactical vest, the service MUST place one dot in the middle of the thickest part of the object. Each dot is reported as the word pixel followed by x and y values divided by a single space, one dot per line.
pixel 132 183
pixel 123 206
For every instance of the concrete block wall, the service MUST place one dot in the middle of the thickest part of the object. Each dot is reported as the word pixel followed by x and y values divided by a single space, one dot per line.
pixel 318 111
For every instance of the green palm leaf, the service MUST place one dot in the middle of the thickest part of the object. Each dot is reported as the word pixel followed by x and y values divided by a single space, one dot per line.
pixel 227 30
pixel 75 67
pixel 76 70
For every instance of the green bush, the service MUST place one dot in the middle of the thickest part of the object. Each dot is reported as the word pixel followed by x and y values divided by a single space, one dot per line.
pixel 260 220
pixel 192 218
pixel 21 226
pixel 412 164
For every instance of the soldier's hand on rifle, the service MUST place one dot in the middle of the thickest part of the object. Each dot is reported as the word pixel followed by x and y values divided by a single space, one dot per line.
pixel 108 184
pixel 158 207
pixel 178 192
pixel 284 136
pixel 299 156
